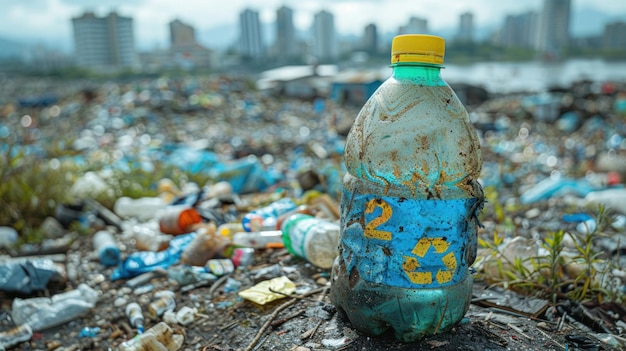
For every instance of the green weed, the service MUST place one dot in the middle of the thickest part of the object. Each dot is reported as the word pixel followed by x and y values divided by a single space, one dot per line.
pixel 583 274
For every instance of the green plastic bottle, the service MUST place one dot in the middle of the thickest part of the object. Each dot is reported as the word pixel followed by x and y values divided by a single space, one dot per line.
pixel 410 202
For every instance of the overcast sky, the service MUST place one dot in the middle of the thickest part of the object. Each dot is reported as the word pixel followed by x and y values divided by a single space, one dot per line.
pixel 49 20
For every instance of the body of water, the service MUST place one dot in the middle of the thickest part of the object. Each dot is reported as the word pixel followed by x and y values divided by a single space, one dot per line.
pixel 534 76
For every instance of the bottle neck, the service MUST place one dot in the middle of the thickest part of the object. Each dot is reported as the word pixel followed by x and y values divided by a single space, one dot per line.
pixel 425 74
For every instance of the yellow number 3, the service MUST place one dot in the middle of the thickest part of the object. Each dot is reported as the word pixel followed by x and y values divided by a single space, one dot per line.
pixel 370 228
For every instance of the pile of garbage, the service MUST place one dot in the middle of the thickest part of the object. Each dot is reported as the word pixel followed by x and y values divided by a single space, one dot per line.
pixel 264 230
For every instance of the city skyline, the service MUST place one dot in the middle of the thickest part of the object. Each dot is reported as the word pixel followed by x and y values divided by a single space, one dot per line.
pixel 153 33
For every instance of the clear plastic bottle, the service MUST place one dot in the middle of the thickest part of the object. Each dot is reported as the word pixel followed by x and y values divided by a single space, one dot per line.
pixel 15 336
pixel 158 338
pixel 164 300
pixel 135 316
pixel 144 208
pixel 148 237
pixel 314 239
pixel 206 245
pixel 42 313
pixel 410 202
pixel 106 248
pixel 259 240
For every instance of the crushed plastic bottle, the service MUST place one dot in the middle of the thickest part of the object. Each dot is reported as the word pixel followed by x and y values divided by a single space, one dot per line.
pixel 410 202
pixel 185 275
pixel 160 337
pixel 145 261
pixel 206 245
pixel 28 275
pixel 164 301
pixel 15 336
pixel 311 238
pixel 148 237
pixel 42 313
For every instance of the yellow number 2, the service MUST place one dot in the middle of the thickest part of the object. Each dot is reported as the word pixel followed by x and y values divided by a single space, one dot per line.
pixel 370 228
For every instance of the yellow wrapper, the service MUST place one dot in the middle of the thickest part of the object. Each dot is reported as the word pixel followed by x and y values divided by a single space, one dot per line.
pixel 261 293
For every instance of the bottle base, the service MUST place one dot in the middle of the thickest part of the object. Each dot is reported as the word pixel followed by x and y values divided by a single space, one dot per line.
pixel 412 314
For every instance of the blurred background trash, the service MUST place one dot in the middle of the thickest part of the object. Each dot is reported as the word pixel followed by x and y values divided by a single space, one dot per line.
pixel 106 248
pixel 41 313
pixel 28 275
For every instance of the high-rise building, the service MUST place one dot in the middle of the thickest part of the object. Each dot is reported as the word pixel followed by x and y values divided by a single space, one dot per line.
pixel 324 44
pixel 286 44
pixel 251 38
pixel 185 51
pixel 370 39
pixel 181 33
pixel 520 30
pixel 614 35
pixel 466 27
pixel 104 42
pixel 553 33
pixel 416 25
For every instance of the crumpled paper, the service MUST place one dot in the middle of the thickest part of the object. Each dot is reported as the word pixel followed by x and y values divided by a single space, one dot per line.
pixel 263 292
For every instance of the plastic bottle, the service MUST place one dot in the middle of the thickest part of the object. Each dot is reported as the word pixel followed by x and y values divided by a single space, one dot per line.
pixel 259 240
pixel 220 266
pixel 158 338
pixel 265 218
pixel 143 208
pixel 229 229
pixel 177 220
pixel 613 198
pixel 15 335
pixel 8 237
pixel 141 262
pixel 105 246
pixel 206 245
pixel 410 201
pixel 42 313
pixel 164 301
pixel 148 237
pixel 135 316
pixel 313 239
pixel 242 256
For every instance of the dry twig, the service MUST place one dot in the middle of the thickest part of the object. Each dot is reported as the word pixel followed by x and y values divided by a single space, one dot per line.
pixel 274 314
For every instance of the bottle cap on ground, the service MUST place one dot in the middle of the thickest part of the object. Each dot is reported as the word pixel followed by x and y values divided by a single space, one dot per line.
pixel 418 48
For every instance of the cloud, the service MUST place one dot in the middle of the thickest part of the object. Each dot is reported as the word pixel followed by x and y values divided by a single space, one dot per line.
pixel 98 3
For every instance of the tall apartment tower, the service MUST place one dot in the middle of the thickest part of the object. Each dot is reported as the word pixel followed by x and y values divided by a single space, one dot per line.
pixel 251 39
pixel 614 36
pixel 416 25
pixel 370 39
pixel 285 33
pixel 181 33
pixel 466 27
pixel 324 44
pixel 553 33
pixel 104 42
pixel 520 30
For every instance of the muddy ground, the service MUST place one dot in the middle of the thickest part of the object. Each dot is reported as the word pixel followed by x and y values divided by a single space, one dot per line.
pixel 227 322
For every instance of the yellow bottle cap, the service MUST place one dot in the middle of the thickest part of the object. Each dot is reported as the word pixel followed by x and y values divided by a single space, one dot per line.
pixel 418 48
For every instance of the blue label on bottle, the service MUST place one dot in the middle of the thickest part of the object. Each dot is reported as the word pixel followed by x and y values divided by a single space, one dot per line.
pixel 405 242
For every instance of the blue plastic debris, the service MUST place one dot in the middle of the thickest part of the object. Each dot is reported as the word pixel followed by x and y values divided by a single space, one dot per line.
pixel 146 261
